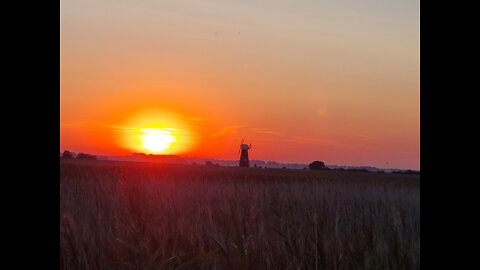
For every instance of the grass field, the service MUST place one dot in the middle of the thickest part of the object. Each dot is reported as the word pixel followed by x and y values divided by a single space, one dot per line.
pixel 121 215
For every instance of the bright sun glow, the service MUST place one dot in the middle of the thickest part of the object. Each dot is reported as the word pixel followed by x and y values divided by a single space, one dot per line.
pixel 156 140
pixel 158 132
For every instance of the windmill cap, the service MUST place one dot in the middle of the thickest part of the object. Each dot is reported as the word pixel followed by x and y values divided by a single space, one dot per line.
pixel 244 146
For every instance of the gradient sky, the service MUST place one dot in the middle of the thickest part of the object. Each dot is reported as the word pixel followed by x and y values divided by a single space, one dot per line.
pixel 302 80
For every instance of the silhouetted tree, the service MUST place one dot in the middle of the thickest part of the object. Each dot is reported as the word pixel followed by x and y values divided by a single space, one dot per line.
pixel 407 172
pixel 86 156
pixel 317 165
pixel 208 163
pixel 67 154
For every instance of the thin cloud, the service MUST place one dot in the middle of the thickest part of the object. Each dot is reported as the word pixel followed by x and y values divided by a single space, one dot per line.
pixel 116 127
pixel 266 131
pixel 74 124
pixel 197 119
pixel 228 130
pixel 284 138
pixel 315 141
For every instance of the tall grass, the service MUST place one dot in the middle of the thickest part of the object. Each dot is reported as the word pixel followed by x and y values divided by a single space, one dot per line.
pixel 118 215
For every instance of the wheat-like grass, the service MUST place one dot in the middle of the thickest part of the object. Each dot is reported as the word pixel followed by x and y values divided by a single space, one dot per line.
pixel 117 215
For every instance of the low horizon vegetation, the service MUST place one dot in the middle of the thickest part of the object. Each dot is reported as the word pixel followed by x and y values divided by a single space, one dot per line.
pixel 315 165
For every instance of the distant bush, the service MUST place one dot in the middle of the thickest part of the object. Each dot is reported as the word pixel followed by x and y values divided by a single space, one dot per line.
pixel 357 170
pixel 208 163
pixel 317 165
pixel 67 154
pixel 86 156
pixel 407 172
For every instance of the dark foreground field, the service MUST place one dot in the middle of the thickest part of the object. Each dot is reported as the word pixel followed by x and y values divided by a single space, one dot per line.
pixel 117 215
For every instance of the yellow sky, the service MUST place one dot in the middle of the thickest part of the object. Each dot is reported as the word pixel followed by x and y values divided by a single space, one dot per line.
pixel 331 80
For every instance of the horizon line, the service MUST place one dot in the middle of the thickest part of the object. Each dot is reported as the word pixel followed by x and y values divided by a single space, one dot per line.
pixel 216 158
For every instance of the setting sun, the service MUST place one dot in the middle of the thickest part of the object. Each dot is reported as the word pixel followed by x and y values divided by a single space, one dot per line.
pixel 156 140
pixel 156 131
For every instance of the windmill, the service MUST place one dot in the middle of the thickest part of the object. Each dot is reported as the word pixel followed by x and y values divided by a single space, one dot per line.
pixel 244 154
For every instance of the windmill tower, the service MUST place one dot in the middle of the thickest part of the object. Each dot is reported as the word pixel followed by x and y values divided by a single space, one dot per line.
pixel 244 154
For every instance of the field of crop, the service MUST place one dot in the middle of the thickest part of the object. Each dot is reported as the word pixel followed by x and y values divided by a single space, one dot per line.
pixel 125 215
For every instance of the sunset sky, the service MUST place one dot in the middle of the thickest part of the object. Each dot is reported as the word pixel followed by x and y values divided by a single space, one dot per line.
pixel 301 80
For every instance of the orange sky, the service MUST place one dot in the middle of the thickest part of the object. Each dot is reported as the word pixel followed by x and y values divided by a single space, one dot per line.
pixel 336 81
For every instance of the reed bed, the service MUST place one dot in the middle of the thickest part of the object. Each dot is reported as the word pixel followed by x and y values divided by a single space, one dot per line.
pixel 120 215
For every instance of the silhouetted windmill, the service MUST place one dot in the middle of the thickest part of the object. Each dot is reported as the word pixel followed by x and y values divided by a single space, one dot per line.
pixel 244 154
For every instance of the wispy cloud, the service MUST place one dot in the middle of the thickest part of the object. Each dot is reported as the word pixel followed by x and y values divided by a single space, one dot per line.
pixel 116 127
pixel 74 124
pixel 285 138
pixel 315 141
pixel 266 131
pixel 228 130
pixel 197 119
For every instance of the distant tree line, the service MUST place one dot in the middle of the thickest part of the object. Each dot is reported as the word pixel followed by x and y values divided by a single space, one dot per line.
pixel 209 163
pixel 407 172
pixel 351 170
pixel 319 165
pixel 70 155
